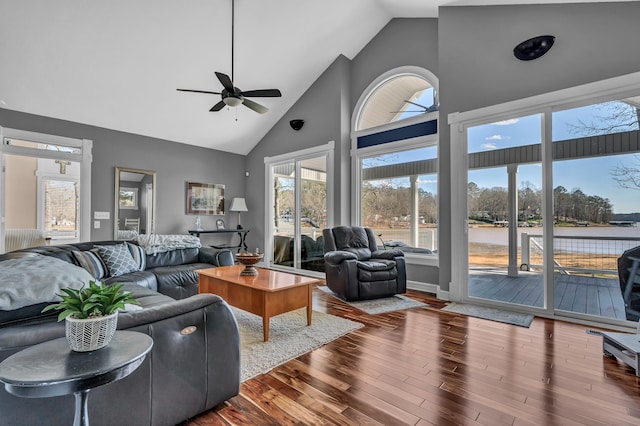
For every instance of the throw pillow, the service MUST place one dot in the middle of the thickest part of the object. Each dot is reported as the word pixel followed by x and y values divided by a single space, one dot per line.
pixel 118 259
pixel 138 255
pixel 92 262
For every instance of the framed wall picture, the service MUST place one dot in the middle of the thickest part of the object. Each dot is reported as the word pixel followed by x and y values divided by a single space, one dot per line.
pixel 219 224
pixel 205 198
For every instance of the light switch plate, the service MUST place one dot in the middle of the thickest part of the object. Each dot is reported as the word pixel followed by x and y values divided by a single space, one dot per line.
pixel 101 215
pixel 96 224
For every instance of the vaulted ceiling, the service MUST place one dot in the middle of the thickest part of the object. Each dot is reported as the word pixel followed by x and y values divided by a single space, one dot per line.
pixel 117 64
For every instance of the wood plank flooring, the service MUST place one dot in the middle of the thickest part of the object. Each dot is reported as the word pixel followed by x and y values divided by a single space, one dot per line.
pixel 424 367
pixel 574 293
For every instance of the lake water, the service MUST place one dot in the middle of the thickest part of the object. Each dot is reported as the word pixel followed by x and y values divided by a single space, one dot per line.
pixel 500 236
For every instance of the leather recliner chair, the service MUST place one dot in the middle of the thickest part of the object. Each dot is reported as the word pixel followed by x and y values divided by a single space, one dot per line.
pixel 356 269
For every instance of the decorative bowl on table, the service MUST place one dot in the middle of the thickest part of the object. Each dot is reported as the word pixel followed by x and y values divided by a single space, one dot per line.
pixel 248 260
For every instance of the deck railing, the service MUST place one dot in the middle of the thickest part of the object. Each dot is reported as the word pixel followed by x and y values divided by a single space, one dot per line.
pixel 577 254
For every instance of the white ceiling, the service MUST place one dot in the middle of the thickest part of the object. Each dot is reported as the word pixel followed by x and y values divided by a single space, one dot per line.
pixel 116 64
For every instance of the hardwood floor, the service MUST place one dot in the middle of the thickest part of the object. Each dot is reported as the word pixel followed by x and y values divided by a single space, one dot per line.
pixel 427 367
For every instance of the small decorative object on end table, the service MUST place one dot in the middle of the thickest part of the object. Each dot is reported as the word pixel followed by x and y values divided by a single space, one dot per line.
pixel 220 225
pixel 248 260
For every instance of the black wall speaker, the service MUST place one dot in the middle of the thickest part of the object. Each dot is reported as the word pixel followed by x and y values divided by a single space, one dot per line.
pixel 533 48
pixel 296 124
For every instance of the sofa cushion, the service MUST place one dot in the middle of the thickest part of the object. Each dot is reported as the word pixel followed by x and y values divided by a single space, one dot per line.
pixel 379 270
pixel 144 279
pixel 173 257
pixel 92 262
pixel 118 259
pixel 30 280
pixel 138 255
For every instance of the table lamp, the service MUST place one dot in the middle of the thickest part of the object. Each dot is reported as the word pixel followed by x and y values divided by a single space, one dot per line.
pixel 238 205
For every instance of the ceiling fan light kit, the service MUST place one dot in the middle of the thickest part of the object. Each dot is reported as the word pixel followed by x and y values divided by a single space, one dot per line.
pixel 232 96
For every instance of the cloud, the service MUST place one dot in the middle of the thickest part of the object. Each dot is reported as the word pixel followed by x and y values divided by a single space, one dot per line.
pixel 488 146
pixel 506 122
pixel 427 181
pixel 496 138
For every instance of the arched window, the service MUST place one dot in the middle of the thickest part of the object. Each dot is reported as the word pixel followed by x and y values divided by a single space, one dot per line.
pixel 395 98
pixel 395 146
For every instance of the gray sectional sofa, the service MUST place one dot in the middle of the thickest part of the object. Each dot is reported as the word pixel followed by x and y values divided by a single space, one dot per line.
pixel 185 373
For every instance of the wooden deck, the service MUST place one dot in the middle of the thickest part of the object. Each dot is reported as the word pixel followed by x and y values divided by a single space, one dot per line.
pixel 574 293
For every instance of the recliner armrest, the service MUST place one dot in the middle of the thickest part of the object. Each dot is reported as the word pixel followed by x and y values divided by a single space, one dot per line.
pixel 335 258
pixel 387 254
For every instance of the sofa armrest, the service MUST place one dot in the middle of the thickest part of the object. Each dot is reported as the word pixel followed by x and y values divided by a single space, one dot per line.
pixel 196 348
pixel 216 257
pixel 387 254
pixel 334 258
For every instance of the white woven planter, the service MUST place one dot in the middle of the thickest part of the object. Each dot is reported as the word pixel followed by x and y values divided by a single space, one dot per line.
pixel 90 334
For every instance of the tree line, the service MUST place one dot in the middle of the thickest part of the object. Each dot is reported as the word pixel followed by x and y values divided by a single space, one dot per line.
pixel 388 204
pixel 490 204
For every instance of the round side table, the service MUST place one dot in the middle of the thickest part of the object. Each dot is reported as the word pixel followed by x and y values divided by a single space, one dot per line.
pixel 53 369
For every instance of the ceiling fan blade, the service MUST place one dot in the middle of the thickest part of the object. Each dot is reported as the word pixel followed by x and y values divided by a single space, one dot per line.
pixel 395 112
pixel 263 93
pixel 218 106
pixel 226 81
pixel 198 91
pixel 421 106
pixel 254 106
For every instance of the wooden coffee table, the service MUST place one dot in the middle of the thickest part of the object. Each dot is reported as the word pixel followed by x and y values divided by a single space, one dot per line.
pixel 267 294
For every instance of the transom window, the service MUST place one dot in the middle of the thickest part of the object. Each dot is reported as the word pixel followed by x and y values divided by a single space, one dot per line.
pixel 397 98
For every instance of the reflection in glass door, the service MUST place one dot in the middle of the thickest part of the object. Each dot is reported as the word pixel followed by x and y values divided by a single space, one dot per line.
pixel 299 213
pixel 505 214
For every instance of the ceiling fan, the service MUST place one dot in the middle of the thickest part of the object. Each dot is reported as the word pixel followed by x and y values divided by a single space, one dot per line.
pixel 231 95
pixel 425 109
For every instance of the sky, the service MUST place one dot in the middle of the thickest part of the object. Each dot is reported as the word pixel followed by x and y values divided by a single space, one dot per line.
pixel 591 175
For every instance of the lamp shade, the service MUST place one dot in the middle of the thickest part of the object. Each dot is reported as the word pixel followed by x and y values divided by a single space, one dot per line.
pixel 238 205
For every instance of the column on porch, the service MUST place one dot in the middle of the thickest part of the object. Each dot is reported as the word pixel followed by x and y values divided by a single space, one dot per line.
pixel 512 206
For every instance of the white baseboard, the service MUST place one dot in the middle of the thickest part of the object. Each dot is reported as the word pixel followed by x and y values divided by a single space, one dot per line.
pixel 443 294
pixel 429 288
pixel 420 286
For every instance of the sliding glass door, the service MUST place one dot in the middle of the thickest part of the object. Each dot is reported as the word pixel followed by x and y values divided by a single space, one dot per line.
pixel 299 211
pixel 551 204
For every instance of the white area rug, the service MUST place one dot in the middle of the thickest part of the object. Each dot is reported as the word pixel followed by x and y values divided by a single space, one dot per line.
pixel 379 306
pixel 289 337
pixel 515 318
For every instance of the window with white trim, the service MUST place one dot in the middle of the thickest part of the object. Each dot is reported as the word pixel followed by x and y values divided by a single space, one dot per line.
pixel 395 150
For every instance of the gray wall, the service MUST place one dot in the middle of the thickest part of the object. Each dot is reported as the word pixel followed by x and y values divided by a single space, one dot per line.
pixel 174 163
pixel 321 108
pixel 477 68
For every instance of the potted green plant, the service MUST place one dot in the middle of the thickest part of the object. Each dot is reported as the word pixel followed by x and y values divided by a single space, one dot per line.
pixel 91 314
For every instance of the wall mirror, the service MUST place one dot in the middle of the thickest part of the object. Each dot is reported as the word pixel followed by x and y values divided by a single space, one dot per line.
pixel 135 203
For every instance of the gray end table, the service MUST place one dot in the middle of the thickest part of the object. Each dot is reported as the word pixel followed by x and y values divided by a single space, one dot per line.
pixel 53 369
